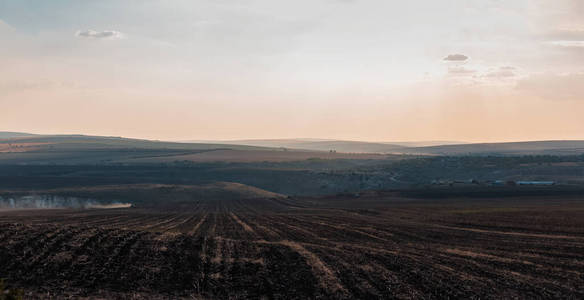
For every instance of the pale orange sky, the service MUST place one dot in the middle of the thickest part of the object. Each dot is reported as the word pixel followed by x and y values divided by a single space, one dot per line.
pixel 360 70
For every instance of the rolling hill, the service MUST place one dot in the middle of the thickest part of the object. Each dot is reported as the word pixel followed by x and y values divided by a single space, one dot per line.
pixel 321 145
pixel 82 149
pixel 559 147
pixel 23 148
pixel 11 135
pixel 513 148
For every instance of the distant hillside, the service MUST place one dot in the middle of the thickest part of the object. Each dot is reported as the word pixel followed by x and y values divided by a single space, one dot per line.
pixel 337 145
pixel 80 142
pixel 82 149
pixel 514 148
pixel 23 148
pixel 425 147
pixel 322 145
pixel 10 135
pixel 427 143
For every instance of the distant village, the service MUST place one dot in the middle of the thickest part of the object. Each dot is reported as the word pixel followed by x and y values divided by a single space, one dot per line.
pixel 491 182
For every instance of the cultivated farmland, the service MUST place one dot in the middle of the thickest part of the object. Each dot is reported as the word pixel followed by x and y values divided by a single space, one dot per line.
pixel 370 246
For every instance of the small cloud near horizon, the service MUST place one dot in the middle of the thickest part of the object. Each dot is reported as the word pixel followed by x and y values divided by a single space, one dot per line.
pixel 568 44
pixel 460 71
pixel 456 57
pixel 106 34
pixel 502 72
pixel 565 38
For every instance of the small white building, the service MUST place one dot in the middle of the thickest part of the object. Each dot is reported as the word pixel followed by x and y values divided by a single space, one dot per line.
pixel 536 182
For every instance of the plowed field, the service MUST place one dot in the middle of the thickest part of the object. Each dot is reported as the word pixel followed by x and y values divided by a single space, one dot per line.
pixel 371 247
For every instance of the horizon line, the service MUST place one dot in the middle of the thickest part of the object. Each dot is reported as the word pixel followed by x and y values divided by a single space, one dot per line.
pixel 451 142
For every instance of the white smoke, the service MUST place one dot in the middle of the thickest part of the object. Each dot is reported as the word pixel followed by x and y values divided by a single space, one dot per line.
pixel 52 201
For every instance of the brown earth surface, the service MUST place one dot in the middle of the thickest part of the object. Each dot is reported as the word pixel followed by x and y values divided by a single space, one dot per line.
pixel 374 246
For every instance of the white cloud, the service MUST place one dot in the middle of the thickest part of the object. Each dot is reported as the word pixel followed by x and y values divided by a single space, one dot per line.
pixel 509 68
pixel 568 44
pixel 460 71
pixel 501 73
pixel 106 34
pixel 456 57
pixel 6 29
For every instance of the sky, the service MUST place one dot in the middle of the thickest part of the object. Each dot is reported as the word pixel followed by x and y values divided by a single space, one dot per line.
pixel 373 70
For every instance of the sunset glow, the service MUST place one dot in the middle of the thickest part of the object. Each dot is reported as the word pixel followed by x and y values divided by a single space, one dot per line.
pixel 343 69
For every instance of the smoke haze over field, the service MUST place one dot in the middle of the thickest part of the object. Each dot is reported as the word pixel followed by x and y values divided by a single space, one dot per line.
pixel 54 202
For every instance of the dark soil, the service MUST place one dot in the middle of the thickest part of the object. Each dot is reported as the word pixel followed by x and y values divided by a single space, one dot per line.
pixel 373 246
